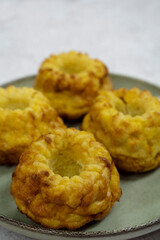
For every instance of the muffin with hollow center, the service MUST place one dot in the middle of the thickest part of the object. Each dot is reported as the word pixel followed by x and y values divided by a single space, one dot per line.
pixel 71 81
pixel 65 180
pixel 127 122
pixel 25 114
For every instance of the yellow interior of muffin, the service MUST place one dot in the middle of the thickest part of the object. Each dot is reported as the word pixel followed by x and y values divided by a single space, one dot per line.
pixel 132 108
pixel 73 63
pixel 14 102
pixel 15 105
pixel 73 67
pixel 64 164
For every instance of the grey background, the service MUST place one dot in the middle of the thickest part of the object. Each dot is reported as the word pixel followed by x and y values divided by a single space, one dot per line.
pixel 125 34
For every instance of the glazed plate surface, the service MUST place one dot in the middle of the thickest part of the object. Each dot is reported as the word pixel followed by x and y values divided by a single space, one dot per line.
pixel 137 213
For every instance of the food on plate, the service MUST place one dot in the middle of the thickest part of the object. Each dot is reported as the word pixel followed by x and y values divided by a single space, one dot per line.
pixel 127 122
pixel 65 180
pixel 25 114
pixel 71 81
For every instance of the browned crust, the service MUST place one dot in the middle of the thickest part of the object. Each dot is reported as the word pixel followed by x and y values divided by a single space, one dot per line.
pixel 62 202
pixel 19 127
pixel 71 94
pixel 132 140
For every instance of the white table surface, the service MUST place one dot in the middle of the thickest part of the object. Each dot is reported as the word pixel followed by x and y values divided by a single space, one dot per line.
pixel 125 34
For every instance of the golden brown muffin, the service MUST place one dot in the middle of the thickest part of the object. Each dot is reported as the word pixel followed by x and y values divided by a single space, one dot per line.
pixel 65 180
pixel 71 81
pixel 127 122
pixel 25 114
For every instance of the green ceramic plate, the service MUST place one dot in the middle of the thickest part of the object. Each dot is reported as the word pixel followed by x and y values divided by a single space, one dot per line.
pixel 137 213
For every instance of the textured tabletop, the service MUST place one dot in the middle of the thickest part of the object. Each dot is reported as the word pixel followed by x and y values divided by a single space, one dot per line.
pixel 125 34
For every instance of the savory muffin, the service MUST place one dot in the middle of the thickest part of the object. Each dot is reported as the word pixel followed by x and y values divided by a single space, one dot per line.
pixel 71 81
pixel 25 114
pixel 127 122
pixel 65 180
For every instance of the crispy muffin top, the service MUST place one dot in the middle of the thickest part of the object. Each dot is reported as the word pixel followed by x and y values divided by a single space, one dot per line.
pixel 25 114
pixel 68 179
pixel 128 123
pixel 71 81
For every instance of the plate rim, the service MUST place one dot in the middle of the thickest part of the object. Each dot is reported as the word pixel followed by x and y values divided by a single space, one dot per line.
pixel 78 233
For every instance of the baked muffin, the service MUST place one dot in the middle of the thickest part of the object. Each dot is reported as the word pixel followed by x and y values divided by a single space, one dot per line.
pixel 71 81
pixel 25 114
pixel 127 122
pixel 65 180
